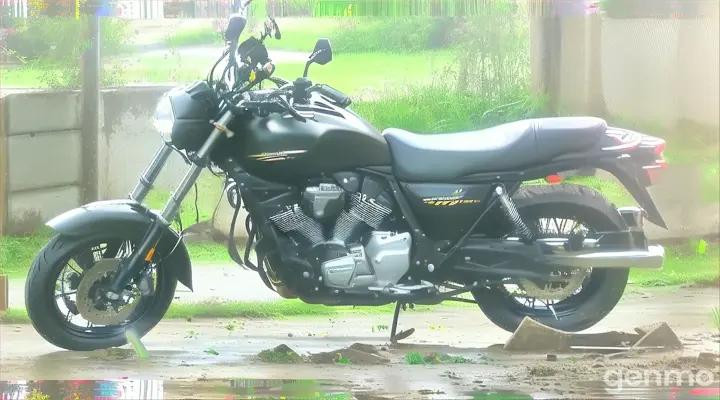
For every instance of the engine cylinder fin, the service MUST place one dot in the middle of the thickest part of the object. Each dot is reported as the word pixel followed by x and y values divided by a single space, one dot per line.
pixel 369 212
pixel 296 220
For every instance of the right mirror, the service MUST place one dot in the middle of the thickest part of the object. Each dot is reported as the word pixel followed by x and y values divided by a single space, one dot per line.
pixel 322 54
pixel 236 25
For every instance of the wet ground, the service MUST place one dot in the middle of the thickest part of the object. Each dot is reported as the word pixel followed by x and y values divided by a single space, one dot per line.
pixel 466 360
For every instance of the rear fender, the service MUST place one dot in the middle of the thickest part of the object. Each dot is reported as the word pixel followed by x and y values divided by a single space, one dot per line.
pixel 104 216
pixel 631 182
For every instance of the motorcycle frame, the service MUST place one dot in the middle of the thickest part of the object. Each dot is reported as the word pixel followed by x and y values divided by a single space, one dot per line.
pixel 429 253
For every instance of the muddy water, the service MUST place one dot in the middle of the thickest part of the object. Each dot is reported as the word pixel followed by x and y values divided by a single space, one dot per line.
pixel 300 389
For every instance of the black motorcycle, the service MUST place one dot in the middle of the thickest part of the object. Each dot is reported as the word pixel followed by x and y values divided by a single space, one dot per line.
pixel 342 214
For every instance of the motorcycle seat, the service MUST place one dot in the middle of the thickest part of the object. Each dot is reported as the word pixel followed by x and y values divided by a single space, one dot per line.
pixel 506 147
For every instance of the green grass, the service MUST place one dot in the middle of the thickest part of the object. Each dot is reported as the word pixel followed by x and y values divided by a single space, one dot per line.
pixel 683 266
pixel 716 318
pixel 254 310
pixel 194 37
pixel 349 73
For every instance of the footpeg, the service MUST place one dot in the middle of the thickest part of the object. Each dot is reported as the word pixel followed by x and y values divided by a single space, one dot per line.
pixel 512 214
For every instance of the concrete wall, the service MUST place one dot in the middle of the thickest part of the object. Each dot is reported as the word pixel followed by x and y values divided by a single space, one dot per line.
pixel 42 140
pixel 129 140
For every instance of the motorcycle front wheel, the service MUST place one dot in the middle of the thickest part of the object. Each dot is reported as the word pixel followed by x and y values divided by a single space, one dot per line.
pixel 64 284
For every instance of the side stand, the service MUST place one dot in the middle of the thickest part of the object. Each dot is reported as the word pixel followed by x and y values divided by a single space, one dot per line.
pixel 395 336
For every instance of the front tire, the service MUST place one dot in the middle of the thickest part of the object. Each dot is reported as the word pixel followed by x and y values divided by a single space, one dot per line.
pixel 42 304
pixel 604 287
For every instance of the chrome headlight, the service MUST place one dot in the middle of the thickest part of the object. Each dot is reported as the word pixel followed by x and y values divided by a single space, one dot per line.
pixel 164 118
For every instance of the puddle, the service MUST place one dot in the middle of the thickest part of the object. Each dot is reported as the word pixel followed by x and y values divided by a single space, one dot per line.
pixel 82 390
pixel 640 390
pixel 231 389
pixel 172 389
pixel 256 388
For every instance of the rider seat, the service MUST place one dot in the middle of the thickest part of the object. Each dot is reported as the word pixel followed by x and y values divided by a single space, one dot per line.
pixel 507 147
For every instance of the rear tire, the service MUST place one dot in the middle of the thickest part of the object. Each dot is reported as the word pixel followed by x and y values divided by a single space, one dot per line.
pixel 40 298
pixel 608 285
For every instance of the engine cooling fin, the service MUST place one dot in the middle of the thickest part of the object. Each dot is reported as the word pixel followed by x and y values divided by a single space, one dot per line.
pixel 296 220
pixel 360 211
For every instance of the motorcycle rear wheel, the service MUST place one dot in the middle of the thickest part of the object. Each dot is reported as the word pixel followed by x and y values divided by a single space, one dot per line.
pixel 50 265
pixel 600 292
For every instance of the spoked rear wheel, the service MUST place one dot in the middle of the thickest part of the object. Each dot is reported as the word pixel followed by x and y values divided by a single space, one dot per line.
pixel 64 292
pixel 586 296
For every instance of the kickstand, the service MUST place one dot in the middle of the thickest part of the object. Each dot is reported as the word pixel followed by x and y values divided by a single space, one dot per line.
pixel 395 336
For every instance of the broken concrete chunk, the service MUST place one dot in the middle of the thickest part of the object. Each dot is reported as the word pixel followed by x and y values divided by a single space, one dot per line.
pixel 708 359
pixel 660 335
pixel 534 336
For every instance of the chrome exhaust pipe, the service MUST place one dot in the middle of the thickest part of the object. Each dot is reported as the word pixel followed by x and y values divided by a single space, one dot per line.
pixel 591 257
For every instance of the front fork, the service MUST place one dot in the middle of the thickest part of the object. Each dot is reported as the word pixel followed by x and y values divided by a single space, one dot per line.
pixel 131 266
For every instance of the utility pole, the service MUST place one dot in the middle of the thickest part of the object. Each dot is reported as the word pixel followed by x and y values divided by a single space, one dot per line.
pixel 91 71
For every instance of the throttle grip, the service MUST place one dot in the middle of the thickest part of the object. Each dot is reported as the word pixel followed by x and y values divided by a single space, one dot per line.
pixel 333 94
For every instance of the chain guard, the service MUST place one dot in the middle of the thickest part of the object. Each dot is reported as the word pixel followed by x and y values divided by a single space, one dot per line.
pixel 86 306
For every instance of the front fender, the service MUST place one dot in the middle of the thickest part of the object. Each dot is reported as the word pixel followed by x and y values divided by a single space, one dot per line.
pixel 112 215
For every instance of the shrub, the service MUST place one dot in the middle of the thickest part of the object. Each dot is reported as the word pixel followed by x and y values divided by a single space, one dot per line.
pixel 488 84
pixel 441 108
pixel 365 35
pixel 58 44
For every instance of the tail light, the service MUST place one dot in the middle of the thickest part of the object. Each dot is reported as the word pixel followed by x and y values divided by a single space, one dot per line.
pixel 657 147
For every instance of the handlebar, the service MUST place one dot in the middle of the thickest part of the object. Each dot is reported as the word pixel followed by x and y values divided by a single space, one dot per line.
pixel 333 94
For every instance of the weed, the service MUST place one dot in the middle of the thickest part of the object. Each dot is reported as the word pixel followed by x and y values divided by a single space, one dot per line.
pixel 281 354
pixel 716 318
pixel 191 334
pixel 339 359
pixel 232 325
pixel 211 351
pixel 415 358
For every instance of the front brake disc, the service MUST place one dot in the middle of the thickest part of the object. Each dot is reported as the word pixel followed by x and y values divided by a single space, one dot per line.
pixel 104 268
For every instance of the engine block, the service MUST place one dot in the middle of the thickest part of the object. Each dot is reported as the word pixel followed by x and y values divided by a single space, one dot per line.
pixel 345 243
pixel 381 262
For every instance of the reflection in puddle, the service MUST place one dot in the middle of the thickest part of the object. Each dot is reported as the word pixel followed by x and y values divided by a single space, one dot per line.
pixel 257 389
pixel 82 390
pixel 639 391
pixel 236 389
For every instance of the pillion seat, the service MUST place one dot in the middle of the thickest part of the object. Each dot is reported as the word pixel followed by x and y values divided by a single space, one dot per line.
pixel 444 157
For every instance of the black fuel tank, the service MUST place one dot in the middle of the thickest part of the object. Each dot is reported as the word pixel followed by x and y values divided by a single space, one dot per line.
pixel 279 148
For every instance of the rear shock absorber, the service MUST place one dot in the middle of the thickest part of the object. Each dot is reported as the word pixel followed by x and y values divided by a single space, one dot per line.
pixel 511 212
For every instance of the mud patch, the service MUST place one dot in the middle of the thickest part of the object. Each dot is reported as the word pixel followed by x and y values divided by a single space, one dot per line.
pixel 281 354
pixel 356 354
pixel 113 353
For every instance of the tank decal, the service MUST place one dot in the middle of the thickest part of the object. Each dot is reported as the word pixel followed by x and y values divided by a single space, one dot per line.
pixel 277 156
pixel 455 198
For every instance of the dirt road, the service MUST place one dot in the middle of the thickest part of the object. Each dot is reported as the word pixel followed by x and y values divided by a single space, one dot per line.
pixel 183 350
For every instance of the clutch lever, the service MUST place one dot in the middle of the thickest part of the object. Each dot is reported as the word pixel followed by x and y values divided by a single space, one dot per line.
pixel 290 109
